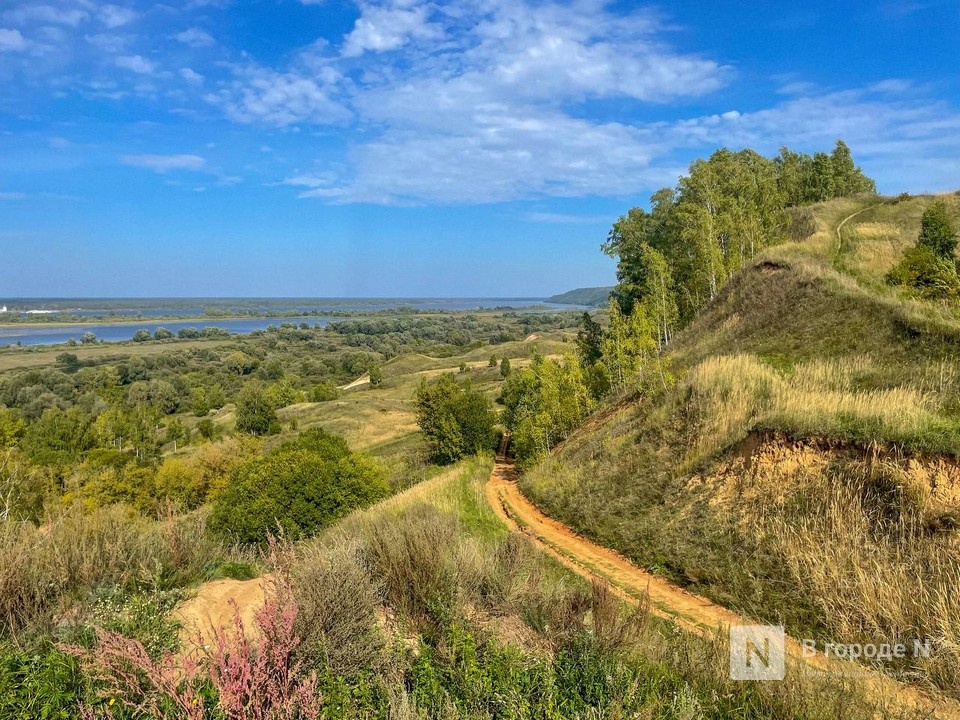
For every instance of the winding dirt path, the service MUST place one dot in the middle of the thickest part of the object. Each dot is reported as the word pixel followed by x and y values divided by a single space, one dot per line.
pixel 847 219
pixel 691 612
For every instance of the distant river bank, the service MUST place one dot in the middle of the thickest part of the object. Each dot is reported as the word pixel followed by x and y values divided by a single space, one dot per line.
pixel 126 317
pixel 50 334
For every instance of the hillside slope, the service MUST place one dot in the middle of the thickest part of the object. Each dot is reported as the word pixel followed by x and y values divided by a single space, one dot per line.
pixel 593 296
pixel 803 469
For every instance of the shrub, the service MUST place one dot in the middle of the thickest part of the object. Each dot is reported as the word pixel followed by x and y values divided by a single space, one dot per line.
pixel 934 277
pixel 323 392
pixel 239 680
pixel 299 487
pixel 338 600
pixel 937 232
pixel 206 428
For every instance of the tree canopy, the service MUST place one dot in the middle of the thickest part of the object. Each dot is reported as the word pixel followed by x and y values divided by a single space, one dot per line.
pixel 674 258
pixel 298 488
pixel 456 419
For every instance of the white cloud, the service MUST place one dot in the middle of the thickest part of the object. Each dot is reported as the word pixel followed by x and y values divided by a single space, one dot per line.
pixel 136 63
pixel 262 95
pixel 191 76
pixel 28 13
pixel 11 40
pixel 310 181
pixel 165 163
pixel 494 110
pixel 380 29
pixel 12 195
pixel 195 37
pixel 108 42
pixel 114 16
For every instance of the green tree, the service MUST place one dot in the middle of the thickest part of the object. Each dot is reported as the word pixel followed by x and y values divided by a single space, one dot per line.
pixel 255 414
pixel 937 232
pixel 199 403
pixel 88 338
pixel 376 374
pixel 544 403
pixel 299 488
pixel 589 340
pixel 505 367
pixel 68 362
pixel 177 432
pixel 323 392
pixel 282 393
pixel 238 362
pixel 161 333
pixel 59 436
pixel 456 419
pixel 492 362
pixel 848 179
pixel 12 427
pixel 141 336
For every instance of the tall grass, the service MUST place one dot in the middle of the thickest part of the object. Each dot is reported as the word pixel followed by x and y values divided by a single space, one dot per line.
pixel 734 394
pixel 864 552
pixel 42 570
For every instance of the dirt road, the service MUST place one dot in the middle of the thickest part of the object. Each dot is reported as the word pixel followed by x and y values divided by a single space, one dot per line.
pixel 692 612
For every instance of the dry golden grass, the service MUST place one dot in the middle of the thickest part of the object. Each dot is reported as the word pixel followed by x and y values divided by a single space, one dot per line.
pixel 864 540
pixel 734 394
pixel 43 569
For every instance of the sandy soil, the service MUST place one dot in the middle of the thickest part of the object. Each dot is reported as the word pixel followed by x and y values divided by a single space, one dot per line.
pixel 211 608
pixel 362 380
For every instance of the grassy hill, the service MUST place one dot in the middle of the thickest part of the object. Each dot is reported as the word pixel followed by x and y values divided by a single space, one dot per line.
pixel 592 296
pixel 803 468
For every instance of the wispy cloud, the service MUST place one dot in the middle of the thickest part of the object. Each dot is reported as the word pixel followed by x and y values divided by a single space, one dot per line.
pixel 12 40
pixel 165 163
pixel 191 76
pixel 898 9
pixel 114 16
pixel 12 195
pixel 281 98
pixel 41 13
pixel 195 37
pixel 136 63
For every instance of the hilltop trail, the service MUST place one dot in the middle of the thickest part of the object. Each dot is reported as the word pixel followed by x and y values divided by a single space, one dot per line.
pixel 687 610
pixel 849 218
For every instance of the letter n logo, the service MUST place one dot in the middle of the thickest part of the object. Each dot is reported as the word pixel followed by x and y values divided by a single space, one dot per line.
pixel 757 652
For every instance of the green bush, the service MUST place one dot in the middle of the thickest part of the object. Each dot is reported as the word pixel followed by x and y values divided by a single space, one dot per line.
pixel 298 488
pixel 323 392
pixel 933 277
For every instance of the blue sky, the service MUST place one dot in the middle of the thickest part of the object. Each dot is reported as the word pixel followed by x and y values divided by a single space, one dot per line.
pixel 411 148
